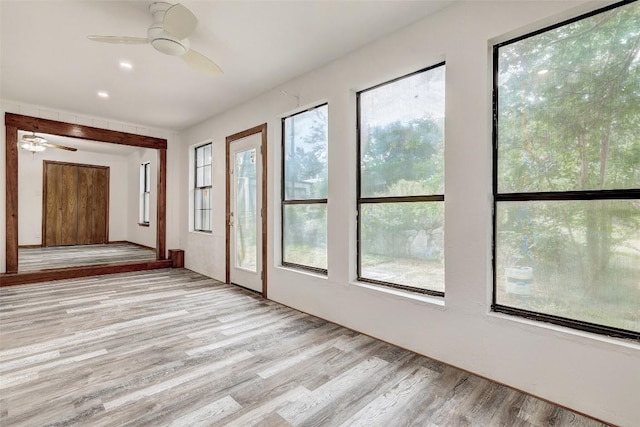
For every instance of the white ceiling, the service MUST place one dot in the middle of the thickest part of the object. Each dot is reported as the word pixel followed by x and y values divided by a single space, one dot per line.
pixel 47 60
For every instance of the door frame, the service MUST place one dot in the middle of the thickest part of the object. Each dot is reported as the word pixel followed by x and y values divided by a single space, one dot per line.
pixel 260 129
pixel 14 122
pixel 45 163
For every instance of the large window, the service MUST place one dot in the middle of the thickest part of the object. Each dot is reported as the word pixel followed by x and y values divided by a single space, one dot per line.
pixel 202 188
pixel 145 193
pixel 567 173
pixel 304 189
pixel 401 182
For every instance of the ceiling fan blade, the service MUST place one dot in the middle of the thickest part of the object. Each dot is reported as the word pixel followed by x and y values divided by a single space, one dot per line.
pixel 201 63
pixel 119 40
pixel 179 21
pixel 62 147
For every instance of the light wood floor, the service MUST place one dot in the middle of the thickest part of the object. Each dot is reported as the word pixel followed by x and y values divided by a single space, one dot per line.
pixel 171 347
pixel 33 259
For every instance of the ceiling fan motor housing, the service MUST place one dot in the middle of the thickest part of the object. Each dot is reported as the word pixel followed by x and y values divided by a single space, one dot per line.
pixel 160 39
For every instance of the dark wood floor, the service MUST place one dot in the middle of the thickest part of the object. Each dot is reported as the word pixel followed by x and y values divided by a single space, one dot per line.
pixel 34 259
pixel 172 347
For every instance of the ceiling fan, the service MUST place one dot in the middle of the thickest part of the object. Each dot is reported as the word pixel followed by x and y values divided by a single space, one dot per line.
pixel 168 33
pixel 36 143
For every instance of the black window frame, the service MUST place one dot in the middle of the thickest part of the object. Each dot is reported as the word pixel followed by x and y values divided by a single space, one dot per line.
pixel 197 188
pixel 289 202
pixel 392 199
pixel 145 194
pixel 571 195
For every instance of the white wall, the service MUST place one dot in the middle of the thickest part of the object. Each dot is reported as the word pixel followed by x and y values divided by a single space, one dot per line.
pixel 173 165
pixel 142 235
pixel 588 373
pixel 30 169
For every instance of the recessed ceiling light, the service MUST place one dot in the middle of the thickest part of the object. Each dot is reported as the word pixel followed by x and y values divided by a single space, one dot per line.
pixel 126 65
pixel 103 94
pixel 542 72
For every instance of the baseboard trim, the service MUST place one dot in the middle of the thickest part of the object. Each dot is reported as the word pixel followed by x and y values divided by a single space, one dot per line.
pixel 116 242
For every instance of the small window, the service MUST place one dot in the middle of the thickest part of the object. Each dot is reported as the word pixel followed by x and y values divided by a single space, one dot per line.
pixel 304 189
pixel 401 182
pixel 567 173
pixel 202 189
pixel 145 193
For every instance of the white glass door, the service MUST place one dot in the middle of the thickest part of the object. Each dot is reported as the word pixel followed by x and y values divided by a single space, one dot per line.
pixel 246 221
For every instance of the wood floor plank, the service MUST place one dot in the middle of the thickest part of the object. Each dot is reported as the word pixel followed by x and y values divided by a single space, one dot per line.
pixel 45 258
pixel 174 348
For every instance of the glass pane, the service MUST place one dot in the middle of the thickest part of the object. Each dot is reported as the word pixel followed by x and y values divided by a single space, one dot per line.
pixel 141 207
pixel 206 220
pixel 142 178
pixel 197 220
pixel 206 198
pixel 207 176
pixel 305 155
pixel 147 170
pixel 403 243
pixel 574 259
pixel 402 136
pixel 568 109
pixel 198 198
pixel 146 207
pixel 305 235
pixel 245 210
pixel 199 156
pixel 207 154
pixel 200 177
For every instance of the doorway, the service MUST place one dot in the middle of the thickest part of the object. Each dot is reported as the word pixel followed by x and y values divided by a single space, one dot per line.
pixel 246 209
pixel 75 204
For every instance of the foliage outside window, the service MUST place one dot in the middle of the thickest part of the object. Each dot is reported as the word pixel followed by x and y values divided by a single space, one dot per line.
pixel 202 190
pixel 304 189
pixel 567 173
pixel 145 193
pixel 401 182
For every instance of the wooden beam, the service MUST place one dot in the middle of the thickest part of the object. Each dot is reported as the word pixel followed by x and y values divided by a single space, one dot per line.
pixel 34 124
pixel 11 207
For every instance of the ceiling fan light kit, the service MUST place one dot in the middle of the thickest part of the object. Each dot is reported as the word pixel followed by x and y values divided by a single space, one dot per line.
pixel 168 33
pixel 36 143
pixel 32 146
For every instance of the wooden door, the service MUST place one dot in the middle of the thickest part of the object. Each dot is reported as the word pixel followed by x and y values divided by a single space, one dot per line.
pixel 75 204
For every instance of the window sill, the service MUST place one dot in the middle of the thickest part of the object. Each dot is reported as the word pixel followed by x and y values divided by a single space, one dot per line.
pixel 143 224
pixel 302 271
pixel 400 294
pixel 564 330
pixel 204 233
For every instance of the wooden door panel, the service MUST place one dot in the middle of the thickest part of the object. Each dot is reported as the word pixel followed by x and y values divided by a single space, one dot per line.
pixel 85 205
pixel 100 214
pixel 52 214
pixel 69 204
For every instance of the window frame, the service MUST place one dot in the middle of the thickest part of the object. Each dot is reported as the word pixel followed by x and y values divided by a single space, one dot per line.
pixel 390 199
pixel 197 188
pixel 145 194
pixel 289 202
pixel 570 195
